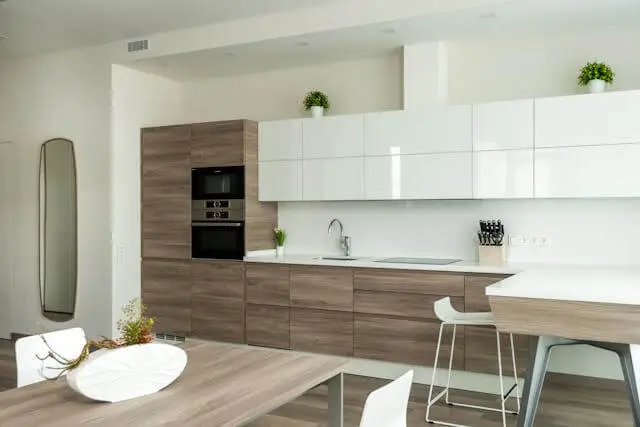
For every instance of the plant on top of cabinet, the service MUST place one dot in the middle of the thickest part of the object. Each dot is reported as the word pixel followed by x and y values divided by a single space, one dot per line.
pixel 317 102
pixel 595 75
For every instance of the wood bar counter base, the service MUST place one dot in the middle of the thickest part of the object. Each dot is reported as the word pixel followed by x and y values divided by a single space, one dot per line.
pixel 560 307
pixel 222 386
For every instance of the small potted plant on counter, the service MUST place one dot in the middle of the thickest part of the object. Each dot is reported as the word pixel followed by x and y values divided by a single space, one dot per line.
pixel 595 75
pixel 280 236
pixel 317 102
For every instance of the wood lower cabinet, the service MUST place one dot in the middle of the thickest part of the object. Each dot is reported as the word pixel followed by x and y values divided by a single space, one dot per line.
pixel 398 304
pixel 322 331
pixel 267 284
pixel 166 292
pixel 217 298
pixel 405 341
pixel 268 326
pixel 326 288
pixel 408 282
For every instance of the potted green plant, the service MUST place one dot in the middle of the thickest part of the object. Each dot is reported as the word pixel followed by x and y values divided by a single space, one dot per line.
pixel 595 75
pixel 280 236
pixel 316 102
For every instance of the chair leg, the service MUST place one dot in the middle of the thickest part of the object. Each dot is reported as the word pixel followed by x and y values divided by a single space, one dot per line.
pixel 453 346
pixel 430 400
pixel 515 372
pixel 502 397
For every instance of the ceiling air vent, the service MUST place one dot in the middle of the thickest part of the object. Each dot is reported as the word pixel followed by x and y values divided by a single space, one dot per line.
pixel 138 46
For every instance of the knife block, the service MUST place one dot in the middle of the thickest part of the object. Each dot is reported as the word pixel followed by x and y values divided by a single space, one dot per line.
pixel 492 255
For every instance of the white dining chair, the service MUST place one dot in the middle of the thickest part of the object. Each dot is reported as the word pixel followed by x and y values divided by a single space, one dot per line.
pixel 387 406
pixel 68 343
pixel 449 316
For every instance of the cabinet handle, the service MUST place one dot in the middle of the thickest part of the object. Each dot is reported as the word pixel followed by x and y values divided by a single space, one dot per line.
pixel 216 224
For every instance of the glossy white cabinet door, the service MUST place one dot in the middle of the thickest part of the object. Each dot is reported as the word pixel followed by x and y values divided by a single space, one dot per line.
pixel 504 125
pixel 333 179
pixel 594 119
pixel 329 137
pixel 503 174
pixel 596 171
pixel 437 130
pixel 280 140
pixel 419 176
pixel 280 181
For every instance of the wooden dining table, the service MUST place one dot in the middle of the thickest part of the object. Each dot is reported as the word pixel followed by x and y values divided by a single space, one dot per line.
pixel 222 385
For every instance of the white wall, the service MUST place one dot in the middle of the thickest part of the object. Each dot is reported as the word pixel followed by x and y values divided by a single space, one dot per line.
pixel 61 95
pixel 488 69
pixel 139 100
pixel 369 84
pixel 7 217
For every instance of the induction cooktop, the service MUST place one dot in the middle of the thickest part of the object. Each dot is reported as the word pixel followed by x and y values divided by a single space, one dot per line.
pixel 425 261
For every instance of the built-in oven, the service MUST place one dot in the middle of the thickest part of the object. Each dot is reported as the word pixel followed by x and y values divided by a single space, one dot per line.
pixel 217 183
pixel 217 229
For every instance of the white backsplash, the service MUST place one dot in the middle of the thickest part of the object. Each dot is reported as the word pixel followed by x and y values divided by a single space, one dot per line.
pixel 602 231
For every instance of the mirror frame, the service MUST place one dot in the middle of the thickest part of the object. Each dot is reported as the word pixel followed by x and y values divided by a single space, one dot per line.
pixel 53 316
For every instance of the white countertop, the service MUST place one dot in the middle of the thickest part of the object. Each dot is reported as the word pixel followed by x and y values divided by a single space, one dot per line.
pixel 370 262
pixel 615 285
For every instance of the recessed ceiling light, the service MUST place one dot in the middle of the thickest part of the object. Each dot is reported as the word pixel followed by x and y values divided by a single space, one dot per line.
pixel 389 31
pixel 488 15
pixel 303 44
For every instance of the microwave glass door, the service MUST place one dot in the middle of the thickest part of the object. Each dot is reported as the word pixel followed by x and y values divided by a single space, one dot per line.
pixel 218 183
pixel 217 240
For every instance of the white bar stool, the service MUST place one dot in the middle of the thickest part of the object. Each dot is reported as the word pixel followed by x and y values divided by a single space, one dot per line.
pixel 450 316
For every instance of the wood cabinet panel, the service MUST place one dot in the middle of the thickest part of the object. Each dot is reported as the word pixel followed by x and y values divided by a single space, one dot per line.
pixel 166 291
pixel 217 144
pixel 218 318
pixel 405 341
pixel 213 278
pixel 475 299
pixel 268 284
pixel 406 281
pixel 268 326
pixel 481 353
pixel 322 331
pixel 165 195
pixel 403 305
pixel 329 288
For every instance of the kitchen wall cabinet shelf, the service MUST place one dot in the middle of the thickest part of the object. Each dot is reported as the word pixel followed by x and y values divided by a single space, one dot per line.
pixel 502 150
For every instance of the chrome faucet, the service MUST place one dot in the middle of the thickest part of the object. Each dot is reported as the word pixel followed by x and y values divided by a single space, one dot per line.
pixel 345 241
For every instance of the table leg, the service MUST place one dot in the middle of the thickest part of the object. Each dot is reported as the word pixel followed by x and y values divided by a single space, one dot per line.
pixel 336 401
pixel 630 360
pixel 539 359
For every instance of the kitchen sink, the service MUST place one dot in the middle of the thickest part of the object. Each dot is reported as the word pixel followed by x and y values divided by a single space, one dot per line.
pixel 337 258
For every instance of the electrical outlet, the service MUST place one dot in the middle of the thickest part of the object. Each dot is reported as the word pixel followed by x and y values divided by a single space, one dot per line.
pixel 540 241
pixel 518 240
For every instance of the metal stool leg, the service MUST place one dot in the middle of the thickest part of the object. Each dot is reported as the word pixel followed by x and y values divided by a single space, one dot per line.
pixel 453 346
pixel 430 400
pixel 502 396
pixel 515 372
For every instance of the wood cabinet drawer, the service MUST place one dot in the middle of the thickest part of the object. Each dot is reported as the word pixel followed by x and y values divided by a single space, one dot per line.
pixel 403 305
pixel 268 326
pixel 166 292
pixel 217 279
pixel 481 353
pixel 405 281
pixel 322 331
pixel 405 341
pixel 268 284
pixel 475 299
pixel 218 318
pixel 328 288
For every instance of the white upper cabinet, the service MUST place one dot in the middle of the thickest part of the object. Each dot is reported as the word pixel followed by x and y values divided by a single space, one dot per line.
pixel 503 174
pixel 594 119
pixel 330 137
pixel 595 171
pixel 333 179
pixel 280 181
pixel 419 176
pixel 503 125
pixel 437 130
pixel 280 140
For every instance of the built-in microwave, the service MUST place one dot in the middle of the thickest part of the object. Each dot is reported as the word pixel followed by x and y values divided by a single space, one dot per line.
pixel 217 183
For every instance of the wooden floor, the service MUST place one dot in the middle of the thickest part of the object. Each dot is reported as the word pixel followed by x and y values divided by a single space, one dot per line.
pixel 566 402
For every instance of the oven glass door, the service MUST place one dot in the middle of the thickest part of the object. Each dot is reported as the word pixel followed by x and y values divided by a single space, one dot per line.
pixel 217 240
pixel 218 183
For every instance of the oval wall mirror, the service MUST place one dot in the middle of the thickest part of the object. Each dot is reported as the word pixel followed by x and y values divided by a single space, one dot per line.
pixel 58 230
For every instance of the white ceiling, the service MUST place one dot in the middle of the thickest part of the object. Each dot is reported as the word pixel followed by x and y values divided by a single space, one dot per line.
pixel 510 18
pixel 40 26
